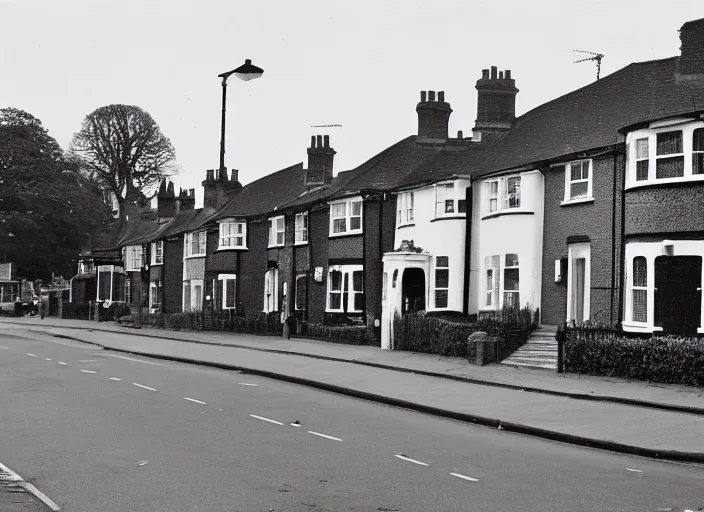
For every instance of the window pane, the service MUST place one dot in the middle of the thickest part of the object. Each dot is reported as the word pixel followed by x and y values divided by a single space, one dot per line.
pixel 579 190
pixel 576 173
pixel 640 305
pixel 355 223
pixel 698 163
pixel 640 271
pixel 669 143
pixel 359 302
pixel 449 206
pixel 511 260
pixel 490 279
pixel 230 293
pixel 335 300
pixel 511 299
pixel 442 278
pixel 335 280
pixel 440 298
pixel 280 224
pixel 494 188
pixel 585 170
pixel 301 285
pixel 357 281
pixel 698 139
pixel 357 208
pixel 511 279
pixel 493 205
pixel 339 210
pixel 442 261
pixel 462 206
pixel 642 170
pixel 669 167
pixel 339 225
pixel 642 148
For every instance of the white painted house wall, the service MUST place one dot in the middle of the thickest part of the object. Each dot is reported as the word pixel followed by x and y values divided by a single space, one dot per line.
pixel 517 230
pixel 439 236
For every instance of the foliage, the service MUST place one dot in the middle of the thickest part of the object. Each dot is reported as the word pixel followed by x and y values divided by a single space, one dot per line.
pixel 349 334
pixel 123 148
pixel 215 321
pixel 603 351
pixel 47 208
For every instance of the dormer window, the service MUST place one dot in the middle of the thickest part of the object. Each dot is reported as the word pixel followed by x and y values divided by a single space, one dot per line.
pixel 667 152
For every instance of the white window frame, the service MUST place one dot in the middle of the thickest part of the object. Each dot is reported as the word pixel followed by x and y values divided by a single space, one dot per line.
pixel 569 181
pixel 576 251
pixel 190 240
pixel 504 268
pixel 296 305
pixel 500 197
pixel 348 215
pixel 152 287
pixel 157 257
pixel 232 234
pixel 491 296
pixel 346 270
pixel 277 231
pixel 301 226
pixel 435 282
pixel 633 288
pixel 687 127
pixel 404 209
pixel 442 197
pixel 225 278
pixel 194 305
pixel 271 290
pixel 133 257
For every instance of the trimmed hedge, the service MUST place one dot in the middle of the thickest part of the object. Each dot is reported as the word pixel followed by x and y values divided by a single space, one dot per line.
pixel 670 360
pixel 349 334
pixel 434 336
pixel 222 321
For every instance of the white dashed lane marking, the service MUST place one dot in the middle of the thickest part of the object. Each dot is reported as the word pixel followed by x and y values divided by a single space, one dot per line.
pixel 408 459
pixel 131 359
pixel 88 371
pixel 114 378
pixel 325 436
pixel 47 359
pixel 465 477
pixel 143 386
pixel 88 361
pixel 248 384
pixel 31 355
pixel 266 419
pixel 194 400
pixel 62 363
pixel 634 470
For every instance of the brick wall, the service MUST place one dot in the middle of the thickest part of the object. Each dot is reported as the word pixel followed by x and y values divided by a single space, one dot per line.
pixel 252 267
pixel 665 209
pixel 593 220
pixel 173 274
pixel 318 226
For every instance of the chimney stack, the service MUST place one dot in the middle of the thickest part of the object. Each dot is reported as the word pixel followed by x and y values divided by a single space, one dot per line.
pixel 496 104
pixel 433 116
pixel 165 202
pixel 320 161
pixel 217 188
pixel 691 61
pixel 186 200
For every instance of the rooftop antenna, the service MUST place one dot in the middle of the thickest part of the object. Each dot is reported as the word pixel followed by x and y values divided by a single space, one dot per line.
pixel 326 126
pixel 594 56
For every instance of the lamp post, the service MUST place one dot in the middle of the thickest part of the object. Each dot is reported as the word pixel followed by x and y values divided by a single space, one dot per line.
pixel 245 72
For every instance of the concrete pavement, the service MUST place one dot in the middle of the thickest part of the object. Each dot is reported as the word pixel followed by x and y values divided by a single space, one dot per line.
pixel 646 431
pixel 102 430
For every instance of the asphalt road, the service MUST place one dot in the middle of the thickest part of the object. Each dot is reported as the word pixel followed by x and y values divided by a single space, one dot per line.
pixel 101 431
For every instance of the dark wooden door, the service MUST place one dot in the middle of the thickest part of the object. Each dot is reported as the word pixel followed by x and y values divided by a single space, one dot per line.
pixel 678 294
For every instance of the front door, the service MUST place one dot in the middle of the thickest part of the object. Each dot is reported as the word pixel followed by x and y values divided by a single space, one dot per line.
pixel 413 290
pixel 578 282
pixel 578 274
pixel 678 294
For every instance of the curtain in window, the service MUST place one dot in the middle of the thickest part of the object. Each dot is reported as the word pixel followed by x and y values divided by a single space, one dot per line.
pixel 698 151
pixel 335 289
pixel 358 290
pixel 669 143
pixel 640 296
pixel 339 223
pixel 356 216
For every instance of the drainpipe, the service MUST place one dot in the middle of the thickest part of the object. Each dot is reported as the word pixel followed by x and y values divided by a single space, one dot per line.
pixel 467 248
pixel 613 243
pixel 623 241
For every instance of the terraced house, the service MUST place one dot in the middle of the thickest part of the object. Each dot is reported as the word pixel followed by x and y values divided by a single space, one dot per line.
pixel 587 208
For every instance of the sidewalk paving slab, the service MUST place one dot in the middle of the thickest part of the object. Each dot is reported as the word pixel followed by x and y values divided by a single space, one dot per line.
pixel 617 427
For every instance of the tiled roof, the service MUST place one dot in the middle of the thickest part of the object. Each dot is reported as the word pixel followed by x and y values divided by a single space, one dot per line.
pixel 447 164
pixel 188 220
pixel 265 194
pixel 592 116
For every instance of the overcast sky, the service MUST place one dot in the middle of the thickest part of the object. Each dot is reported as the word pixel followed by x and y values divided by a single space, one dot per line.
pixel 360 64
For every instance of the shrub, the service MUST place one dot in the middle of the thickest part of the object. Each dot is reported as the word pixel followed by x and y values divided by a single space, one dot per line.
pixel 671 360
pixel 433 336
pixel 349 334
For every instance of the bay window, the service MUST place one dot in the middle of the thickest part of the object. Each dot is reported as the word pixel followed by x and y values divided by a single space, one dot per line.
pixel 277 231
pixel 512 197
pixel 501 194
pixel 193 295
pixel 232 235
pixel 346 217
pixel 345 289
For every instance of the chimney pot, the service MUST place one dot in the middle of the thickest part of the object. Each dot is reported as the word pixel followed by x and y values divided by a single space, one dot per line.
pixel 326 139
pixel 460 135
pixel 422 96
pixel 312 141
pixel 431 95
pixel 501 75
pixel 441 96
pixel 507 74
pixel 493 72
pixel 192 192
pixel 319 140
pixel 485 74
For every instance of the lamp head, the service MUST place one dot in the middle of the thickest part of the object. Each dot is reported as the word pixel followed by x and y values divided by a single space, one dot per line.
pixel 246 71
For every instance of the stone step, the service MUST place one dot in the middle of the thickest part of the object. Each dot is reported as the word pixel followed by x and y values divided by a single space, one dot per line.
pixel 530 365
pixel 533 357
pixel 521 351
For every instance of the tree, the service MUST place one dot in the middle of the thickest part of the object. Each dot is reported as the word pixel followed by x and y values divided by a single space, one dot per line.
pixel 123 148
pixel 47 209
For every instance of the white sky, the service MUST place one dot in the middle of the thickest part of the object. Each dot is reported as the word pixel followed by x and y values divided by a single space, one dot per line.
pixel 361 64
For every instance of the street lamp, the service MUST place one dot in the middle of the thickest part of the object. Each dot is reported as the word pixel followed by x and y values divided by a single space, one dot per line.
pixel 245 72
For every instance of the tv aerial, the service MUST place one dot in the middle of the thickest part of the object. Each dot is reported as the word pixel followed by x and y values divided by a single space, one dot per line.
pixel 595 57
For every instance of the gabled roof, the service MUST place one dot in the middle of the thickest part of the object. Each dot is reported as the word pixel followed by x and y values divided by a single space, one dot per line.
pixel 265 194
pixel 463 162
pixel 592 116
